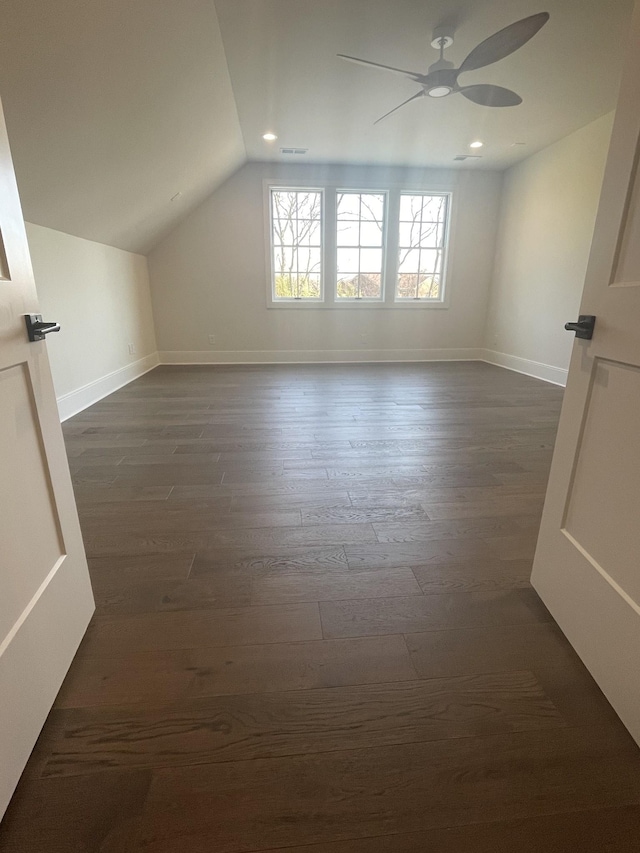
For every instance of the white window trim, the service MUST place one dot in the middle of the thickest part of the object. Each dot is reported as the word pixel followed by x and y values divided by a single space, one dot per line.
pixel 363 300
pixel 304 301
pixel 445 255
pixel 329 252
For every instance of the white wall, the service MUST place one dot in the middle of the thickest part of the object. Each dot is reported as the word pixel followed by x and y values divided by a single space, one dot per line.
pixel 548 211
pixel 100 296
pixel 209 276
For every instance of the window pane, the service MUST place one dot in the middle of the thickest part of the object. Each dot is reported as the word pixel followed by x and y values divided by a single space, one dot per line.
pixel 308 205
pixel 284 285
pixel 370 260
pixel 284 232
pixel 409 260
pixel 348 260
pixel 309 232
pixel 433 208
pixel 429 287
pixel 349 206
pixel 407 286
pixel 296 237
pixel 372 207
pixel 348 233
pixel 312 284
pixel 430 260
pixel 370 285
pixel 411 207
pixel 348 286
pixel 371 234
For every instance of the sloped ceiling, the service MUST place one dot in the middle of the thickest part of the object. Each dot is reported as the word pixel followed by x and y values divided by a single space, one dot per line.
pixel 287 78
pixel 125 114
pixel 113 107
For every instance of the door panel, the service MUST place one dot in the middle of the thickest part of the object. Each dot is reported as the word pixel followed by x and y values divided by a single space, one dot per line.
pixel 605 529
pixel 45 594
pixel 587 566
pixel 31 505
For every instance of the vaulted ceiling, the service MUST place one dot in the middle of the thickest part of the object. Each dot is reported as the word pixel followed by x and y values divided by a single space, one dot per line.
pixel 123 115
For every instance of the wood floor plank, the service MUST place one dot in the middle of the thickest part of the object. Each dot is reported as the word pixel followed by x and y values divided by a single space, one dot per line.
pixel 612 830
pixel 158 596
pixel 274 538
pixel 391 555
pixel 255 805
pixel 123 571
pixel 191 629
pixel 538 647
pixel 348 514
pixel 91 814
pixel 146 677
pixel 473 576
pixel 283 587
pixel 235 728
pixel 413 614
pixel 299 666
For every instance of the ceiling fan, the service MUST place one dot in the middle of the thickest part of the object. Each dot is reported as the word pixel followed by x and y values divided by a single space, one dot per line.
pixel 442 77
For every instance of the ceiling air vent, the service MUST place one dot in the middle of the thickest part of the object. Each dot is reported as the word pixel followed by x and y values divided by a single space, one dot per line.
pixel 468 157
pixel 293 150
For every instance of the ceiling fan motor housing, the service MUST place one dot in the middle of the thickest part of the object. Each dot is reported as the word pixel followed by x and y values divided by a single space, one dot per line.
pixel 440 82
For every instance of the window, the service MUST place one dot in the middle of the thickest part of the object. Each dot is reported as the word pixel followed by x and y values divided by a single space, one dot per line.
pixel 422 243
pixel 296 244
pixel 341 247
pixel 360 219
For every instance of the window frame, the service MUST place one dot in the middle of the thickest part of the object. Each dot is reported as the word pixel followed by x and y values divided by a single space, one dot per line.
pixel 404 300
pixel 363 300
pixel 329 189
pixel 296 300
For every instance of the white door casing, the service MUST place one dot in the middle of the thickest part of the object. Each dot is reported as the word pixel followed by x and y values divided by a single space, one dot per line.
pixel 587 563
pixel 45 594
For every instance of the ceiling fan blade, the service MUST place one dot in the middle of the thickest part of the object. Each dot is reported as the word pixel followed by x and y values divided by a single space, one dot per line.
pixel 412 75
pixel 504 42
pixel 412 98
pixel 490 96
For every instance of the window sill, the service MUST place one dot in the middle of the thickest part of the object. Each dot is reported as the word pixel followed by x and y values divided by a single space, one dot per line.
pixel 355 305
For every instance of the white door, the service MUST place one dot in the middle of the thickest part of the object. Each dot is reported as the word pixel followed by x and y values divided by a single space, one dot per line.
pixel 587 564
pixel 45 594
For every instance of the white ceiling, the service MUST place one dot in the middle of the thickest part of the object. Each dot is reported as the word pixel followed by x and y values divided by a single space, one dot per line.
pixel 286 76
pixel 115 106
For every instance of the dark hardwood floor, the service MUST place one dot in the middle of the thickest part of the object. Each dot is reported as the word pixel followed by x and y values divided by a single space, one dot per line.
pixel 314 627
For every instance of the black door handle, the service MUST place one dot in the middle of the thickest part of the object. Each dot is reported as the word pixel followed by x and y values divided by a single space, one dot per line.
pixel 584 327
pixel 36 329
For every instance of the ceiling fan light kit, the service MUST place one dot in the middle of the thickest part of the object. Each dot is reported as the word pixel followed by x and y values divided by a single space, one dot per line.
pixel 441 78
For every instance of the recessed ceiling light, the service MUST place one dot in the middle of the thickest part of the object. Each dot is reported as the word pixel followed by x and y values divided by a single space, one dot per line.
pixel 270 137
pixel 476 144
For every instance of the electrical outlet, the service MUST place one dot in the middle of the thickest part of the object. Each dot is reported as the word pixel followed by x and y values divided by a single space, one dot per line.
pixel 132 349
pixel 363 339
pixel 212 339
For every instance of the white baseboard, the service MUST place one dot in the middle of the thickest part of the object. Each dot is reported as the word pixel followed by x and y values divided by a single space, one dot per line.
pixel 76 401
pixel 317 356
pixel 537 369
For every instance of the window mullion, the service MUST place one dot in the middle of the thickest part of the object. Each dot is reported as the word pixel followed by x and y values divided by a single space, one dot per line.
pixel 330 250
pixel 392 247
